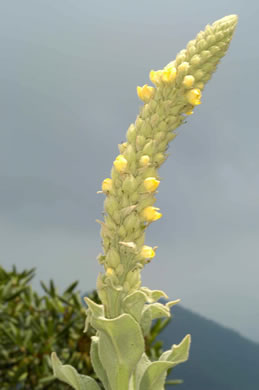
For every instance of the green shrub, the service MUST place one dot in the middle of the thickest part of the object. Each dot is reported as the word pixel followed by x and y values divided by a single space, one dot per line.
pixel 33 325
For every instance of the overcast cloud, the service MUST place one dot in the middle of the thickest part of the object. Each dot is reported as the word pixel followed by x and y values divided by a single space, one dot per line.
pixel 69 71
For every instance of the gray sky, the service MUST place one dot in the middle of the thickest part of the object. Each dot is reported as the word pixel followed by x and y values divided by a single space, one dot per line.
pixel 69 71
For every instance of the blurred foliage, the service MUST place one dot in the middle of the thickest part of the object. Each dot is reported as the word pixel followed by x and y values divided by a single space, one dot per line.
pixel 33 325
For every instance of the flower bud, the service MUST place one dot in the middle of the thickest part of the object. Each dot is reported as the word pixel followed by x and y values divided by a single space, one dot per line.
pixel 126 286
pixel 170 137
pixel 119 270
pixel 199 85
pixel 133 278
pixel 201 44
pixel 113 258
pixel 159 158
pixel 131 222
pixel 149 148
pixel 122 232
pixel 163 126
pixel 111 204
pixel 130 154
pixel 144 161
pixel 140 141
pixel 191 49
pixel 195 60
pixel 160 136
pixel 199 75
pixel 154 119
pixel 146 129
pixel 107 185
pixel 138 123
pixel 120 163
pixel 131 133
pixel 146 201
pixel 155 76
pixel 183 67
pixel 129 184
pixel 110 272
pixel 188 81
pixel 180 58
pixel 122 147
pixel 169 74
pixel 145 93
pixel 151 184
pixel 162 146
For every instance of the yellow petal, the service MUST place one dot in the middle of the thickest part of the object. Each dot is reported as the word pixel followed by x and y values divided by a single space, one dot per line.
pixel 120 163
pixel 151 184
pixel 193 96
pixel 150 214
pixel 147 252
pixel 107 185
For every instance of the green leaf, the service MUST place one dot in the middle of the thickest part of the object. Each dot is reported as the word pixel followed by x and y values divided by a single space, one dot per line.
pixel 133 304
pixel 97 365
pixel 142 365
pixel 121 345
pixel 97 310
pixel 155 374
pixel 157 310
pixel 172 382
pixel 146 322
pixel 178 353
pixel 69 375
pixel 71 287
pixel 52 288
pixel 153 295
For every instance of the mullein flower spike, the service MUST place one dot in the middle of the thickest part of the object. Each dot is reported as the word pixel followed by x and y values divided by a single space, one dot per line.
pixel 135 179
pixel 127 309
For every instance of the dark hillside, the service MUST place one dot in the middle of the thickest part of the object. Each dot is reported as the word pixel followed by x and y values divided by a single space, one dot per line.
pixel 220 358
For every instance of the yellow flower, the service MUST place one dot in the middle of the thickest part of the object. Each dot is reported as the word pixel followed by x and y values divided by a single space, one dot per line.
pixel 169 74
pixel 151 184
pixel 155 76
pixel 145 93
pixel 147 252
pixel 109 272
pixel 193 96
pixel 144 161
pixel 189 112
pixel 120 163
pixel 150 214
pixel 188 81
pixel 107 185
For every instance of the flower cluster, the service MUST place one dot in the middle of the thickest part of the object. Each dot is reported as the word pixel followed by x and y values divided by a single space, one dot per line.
pixel 131 189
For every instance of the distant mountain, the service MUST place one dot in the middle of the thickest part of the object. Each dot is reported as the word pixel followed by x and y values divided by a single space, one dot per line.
pixel 220 358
